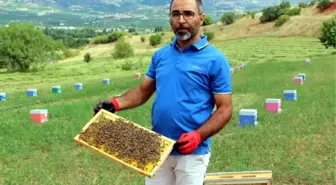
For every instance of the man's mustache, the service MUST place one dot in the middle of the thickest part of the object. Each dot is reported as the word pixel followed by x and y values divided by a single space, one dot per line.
pixel 182 28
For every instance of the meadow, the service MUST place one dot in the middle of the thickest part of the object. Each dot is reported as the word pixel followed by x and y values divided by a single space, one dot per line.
pixel 298 144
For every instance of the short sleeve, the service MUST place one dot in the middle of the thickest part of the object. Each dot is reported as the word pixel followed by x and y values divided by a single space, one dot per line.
pixel 151 72
pixel 220 76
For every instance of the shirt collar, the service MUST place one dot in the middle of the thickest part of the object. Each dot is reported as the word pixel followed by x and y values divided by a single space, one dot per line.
pixel 200 44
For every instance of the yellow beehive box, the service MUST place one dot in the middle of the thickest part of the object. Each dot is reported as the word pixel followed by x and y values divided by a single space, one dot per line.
pixel 108 137
pixel 239 178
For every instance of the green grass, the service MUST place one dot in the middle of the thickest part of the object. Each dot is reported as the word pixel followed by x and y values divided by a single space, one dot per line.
pixel 272 49
pixel 298 144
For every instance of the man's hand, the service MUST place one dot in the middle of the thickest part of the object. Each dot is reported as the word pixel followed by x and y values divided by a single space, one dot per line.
pixel 109 105
pixel 188 142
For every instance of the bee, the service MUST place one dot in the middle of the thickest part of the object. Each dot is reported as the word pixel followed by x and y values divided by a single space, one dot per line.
pixel 126 141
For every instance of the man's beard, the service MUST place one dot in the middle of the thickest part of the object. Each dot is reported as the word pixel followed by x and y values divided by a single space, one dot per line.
pixel 184 35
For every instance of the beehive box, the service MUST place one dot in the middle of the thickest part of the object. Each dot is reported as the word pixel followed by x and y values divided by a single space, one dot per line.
pixel 127 143
pixel 239 178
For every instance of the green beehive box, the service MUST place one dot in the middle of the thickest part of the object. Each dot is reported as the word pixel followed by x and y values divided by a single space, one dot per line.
pixel 303 75
pixel 56 89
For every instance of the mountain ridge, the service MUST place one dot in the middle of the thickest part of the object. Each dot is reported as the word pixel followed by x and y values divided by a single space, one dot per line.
pixel 127 5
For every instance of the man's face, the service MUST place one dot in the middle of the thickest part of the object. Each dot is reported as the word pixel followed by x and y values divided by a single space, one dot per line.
pixel 187 25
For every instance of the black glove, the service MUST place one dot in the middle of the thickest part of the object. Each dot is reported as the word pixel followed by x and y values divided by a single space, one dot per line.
pixel 106 105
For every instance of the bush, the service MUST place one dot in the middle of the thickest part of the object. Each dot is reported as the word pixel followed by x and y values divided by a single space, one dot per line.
pixel 104 39
pixel 155 40
pixel 271 13
pixel 87 57
pixel 282 19
pixel 285 5
pixel 122 49
pixel 293 11
pixel 313 2
pixel 252 14
pixel 142 38
pixel 207 20
pixel 303 5
pixel 70 53
pixel 328 33
pixel 127 65
pixel 115 36
pixel 228 18
pixel 3 64
pixel 210 35
pixel 323 4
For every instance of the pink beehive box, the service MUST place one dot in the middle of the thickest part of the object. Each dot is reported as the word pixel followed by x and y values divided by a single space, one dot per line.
pixel 298 80
pixel 39 116
pixel 137 75
pixel 273 105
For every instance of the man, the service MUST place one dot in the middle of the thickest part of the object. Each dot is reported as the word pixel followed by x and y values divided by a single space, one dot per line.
pixel 189 77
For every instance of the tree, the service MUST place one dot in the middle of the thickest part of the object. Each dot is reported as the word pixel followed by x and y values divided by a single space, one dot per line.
pixel 131 30
pixel 328 33
pixel 122 49
pixel 251 13
pixel 323 4
pixel 155 40
pixel 228 18
pixel 158 29
pixel 271 13
pixel 284 5
pixel 207 20
pixel 23 47
pixel 303 5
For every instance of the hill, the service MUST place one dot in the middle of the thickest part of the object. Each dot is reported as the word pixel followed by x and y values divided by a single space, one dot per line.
pixel 306 24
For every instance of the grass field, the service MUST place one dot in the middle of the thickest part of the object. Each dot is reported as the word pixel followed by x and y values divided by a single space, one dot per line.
pixel 298 144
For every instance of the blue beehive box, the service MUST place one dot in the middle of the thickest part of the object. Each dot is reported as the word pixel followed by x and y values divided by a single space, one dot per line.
pixel 2 96
pixel 248 117
pixel 303 75
pixel 78 86
pixel 106 81
pixel 290 95
pixel 31 92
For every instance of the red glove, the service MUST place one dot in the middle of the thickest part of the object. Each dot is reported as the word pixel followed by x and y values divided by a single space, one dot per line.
pixel 188 142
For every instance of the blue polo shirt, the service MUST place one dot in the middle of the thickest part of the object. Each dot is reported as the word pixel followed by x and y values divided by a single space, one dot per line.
pixel 185 83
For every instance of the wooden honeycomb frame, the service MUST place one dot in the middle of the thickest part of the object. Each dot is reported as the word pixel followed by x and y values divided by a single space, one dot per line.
pixel 167 142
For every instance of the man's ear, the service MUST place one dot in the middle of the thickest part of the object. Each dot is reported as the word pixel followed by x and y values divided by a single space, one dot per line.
pixel 202 16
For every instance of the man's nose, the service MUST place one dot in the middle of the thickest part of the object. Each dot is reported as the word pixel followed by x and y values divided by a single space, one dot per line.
pixel 181 19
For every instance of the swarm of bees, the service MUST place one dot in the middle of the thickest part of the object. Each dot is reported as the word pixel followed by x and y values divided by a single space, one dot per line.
pixel 124 140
